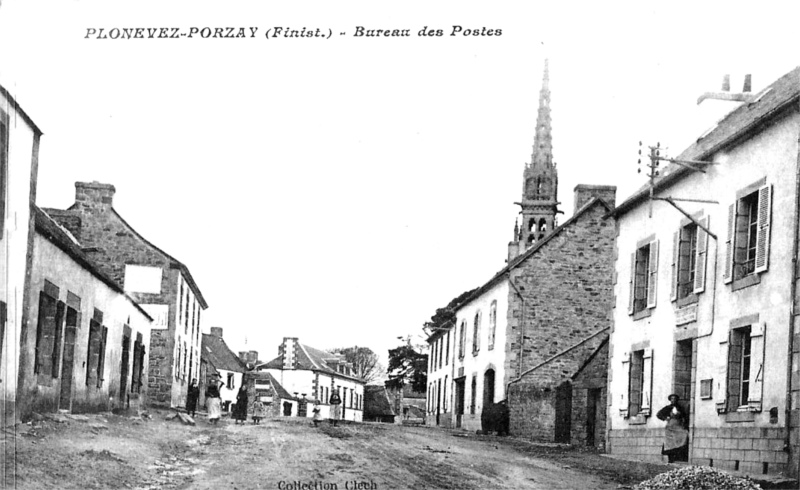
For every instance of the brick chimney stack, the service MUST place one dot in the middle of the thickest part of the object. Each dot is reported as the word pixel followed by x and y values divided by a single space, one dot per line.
pixel 216 331
pixel 94 195
pixel 584 193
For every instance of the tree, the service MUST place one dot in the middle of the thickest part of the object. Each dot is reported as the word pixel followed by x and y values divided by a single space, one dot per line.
pixel 446 315
pixel 365 362
pixel 406 365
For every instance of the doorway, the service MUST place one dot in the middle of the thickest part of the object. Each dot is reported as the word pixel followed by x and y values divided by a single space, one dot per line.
pixel 563 412
pixel 682 382
pixel 123 372
pixel 488 388
pixel 593 404
pixel 68 359
pixel 459 401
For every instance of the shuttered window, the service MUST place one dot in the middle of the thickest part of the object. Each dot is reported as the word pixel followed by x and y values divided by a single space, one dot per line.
pixel 741 383
pixel 748 239
pixel 644 278
pixel 689 252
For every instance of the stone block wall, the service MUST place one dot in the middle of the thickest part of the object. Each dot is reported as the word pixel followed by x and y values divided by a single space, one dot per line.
pixel 532 411
pixel 568 294
pixel 640 444
pixel 750 450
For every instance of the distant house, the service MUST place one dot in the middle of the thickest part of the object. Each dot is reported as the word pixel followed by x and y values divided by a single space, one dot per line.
pixel 407 403
pixel 264 387
pixel 378 405
pixel 159 282
pixel 313 375
pixel 222 361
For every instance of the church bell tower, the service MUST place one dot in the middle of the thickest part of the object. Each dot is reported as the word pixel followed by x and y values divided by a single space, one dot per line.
pixel 539 203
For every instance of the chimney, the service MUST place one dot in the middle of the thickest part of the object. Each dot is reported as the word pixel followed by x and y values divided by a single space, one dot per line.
pixel 584 193
pixel 243 356
pixel 714 106
pixel 216 331
pixel 252 356
pixel 288 352
pixel 94 195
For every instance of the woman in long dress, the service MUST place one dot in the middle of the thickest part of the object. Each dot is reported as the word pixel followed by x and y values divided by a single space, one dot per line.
pixel 191 398
pixel 259 411
pixel 213 402
pixel 676 436
pixel 240 410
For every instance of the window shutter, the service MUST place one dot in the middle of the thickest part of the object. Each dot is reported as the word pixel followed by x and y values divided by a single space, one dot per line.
pixel 735 342
pixel 702 256
pixel 673 294
pixel 652 276
pixel 762 235
pixel 647 382
pixel 626 375
pixel 631 284
pixel 59 328
pixel 757 335
pixel 727 276
pixel 101 362
pixel 721 388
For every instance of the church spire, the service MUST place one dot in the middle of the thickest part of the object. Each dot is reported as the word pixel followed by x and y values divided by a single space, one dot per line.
pixel 540 180
pixel 543 139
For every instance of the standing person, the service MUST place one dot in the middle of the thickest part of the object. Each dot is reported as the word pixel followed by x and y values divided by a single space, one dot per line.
pixel 191 398
pixel 317 416
pixel 336 407
pixel 259 411
pixel 240 410
pixel 213 402
pixel 676 436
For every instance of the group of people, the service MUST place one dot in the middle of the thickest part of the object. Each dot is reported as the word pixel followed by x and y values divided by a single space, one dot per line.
pixel 214 402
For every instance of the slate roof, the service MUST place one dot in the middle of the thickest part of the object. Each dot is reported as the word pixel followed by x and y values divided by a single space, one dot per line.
pixel 738 124
pixel 63 239
pixel 66 215
pixel 533 249
pixel 376 401
pixel 218 354
pixel 311 359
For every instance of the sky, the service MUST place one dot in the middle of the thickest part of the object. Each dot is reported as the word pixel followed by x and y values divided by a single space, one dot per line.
pixel 340 189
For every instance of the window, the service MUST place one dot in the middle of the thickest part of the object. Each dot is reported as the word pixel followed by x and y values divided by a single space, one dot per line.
pixel 744 370
pixel 476 333
pixel 747 244
pixel 101 363
pixel 142 279
pixel 638 369
pixel 689 251
pixel 45 333
pixel 447 350
pixel 230 381
pixel 462 339
pixel 441 351
pixel 444 394
pixel 643 278
pixel 492 324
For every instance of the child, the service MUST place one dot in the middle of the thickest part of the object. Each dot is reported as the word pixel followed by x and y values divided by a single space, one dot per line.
pixel 317 416
pixel 259 411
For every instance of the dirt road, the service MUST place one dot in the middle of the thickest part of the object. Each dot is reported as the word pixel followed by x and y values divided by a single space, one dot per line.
pixel 290 454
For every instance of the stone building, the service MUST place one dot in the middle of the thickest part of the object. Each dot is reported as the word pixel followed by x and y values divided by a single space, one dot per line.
pixel 707 298
pixel 525 333
pixel 19 150
pixel 160 283
pixel 277 401
pixel 378 405
pixel 313 375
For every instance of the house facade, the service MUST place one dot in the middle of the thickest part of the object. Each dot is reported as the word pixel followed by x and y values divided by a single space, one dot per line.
pixel 224 363
pixel 706 295
pixel 19 149
pixel 85 348
pixel 160 283
pixel 313 376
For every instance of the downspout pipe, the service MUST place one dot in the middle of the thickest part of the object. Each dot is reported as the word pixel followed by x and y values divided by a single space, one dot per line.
pixel 521 330
pixel 793 301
